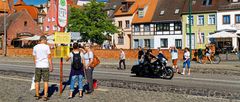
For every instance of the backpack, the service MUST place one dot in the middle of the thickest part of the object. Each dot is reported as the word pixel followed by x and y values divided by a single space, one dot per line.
pixel 77 61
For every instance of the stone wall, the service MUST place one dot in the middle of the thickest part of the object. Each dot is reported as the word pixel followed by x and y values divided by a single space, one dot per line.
pixel 112 54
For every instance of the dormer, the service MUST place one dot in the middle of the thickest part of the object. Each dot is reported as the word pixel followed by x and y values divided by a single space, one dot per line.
pixel 126 6
pixel 207 2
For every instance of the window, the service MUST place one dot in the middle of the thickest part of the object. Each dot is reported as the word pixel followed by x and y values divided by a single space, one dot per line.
pixel 49 19
pixel 147 43
pixel 166 27
pixel 201 20
pixel 140 13
pixel 207 2
pixel 190 19
pixel 177 26
pixel 176 11
pixel 137 28
pixel 178 43
pixel 136 43
pixel 127 24
pixel 164 43
pixel 55 28
pixel 120 39
pixel 53 19
pixel 211 19
pixel 200 38
pixel 120 24
pixel 25 23
pixel 146 28
pixel 237 18
pixel 203 38
pixel 47 28
pixel 226 19
pixel 159 27
pixel 162 13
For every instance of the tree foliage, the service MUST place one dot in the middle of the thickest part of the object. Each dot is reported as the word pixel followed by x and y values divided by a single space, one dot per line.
pixel 92 22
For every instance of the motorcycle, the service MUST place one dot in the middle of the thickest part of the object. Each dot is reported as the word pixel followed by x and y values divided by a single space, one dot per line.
pixel 158 68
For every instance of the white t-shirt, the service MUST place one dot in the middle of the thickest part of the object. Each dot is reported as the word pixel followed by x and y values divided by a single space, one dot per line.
pixel 187 55
pixel 41 52
pixel 122 55
pixel 87 57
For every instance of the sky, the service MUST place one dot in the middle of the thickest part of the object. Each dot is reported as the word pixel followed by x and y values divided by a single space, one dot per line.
pixel 37 2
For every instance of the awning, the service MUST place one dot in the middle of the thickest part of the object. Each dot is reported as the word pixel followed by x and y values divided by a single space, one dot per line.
pixel 223 34
pixel 33 38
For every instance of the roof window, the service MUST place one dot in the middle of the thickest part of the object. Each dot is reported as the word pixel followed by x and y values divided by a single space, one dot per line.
pixel 176 11
pixel 207 2
pixel 162 12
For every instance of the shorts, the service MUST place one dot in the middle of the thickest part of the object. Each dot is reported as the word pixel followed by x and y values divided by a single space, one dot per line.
pixel 174 61
pixel 41 72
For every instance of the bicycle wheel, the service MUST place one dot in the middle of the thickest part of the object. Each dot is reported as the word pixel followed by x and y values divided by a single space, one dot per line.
pixel 216 59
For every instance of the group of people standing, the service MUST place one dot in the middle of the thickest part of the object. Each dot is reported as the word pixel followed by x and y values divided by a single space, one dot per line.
pixel 81 59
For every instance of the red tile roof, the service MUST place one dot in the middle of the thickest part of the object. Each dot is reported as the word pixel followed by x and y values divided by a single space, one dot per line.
pixel 2 4
pixel 33 11
pixel 150 6
pixel 131 10
pixel 198 7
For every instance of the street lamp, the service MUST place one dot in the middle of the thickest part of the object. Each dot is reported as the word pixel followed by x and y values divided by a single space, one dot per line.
pixel 5 33
pixel 190 28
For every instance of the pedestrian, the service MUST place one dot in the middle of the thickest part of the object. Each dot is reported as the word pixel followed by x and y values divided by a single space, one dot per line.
pixel 208 53
pixel 174 54
pixel 200 55
pixel 122 59
pixel 88 57
pixel 43 64
pixel 140 55
pixel 77 70
pixel 187 60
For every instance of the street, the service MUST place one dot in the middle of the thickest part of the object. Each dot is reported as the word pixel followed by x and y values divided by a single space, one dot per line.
pixel 198 85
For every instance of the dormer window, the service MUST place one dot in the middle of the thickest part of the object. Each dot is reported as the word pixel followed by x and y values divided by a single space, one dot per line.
pixel 162 12
pixel 207 2
pixel 140 13
pixel 176 11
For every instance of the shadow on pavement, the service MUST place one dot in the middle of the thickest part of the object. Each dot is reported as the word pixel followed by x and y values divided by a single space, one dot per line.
pixel 53 88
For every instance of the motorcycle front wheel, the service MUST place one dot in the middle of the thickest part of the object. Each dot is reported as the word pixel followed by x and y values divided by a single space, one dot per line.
pixel 169 73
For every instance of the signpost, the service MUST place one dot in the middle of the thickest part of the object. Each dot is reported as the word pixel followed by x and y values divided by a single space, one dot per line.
pixel 62 16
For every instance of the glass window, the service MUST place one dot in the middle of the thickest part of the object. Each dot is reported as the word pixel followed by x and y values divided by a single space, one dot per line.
pixel 127 24
pixel 140 13
pixel 120 24
pixel 164 43
pixel 178 43
pixel 207 2
pixel 177 26
pixel 120 39
pixel 137 28
pixel 136 43
pixel 159 27
pixel 147 43
pixel 190 19
pixel 211 19
pixel 237 18
pixel 166 27
pixel 201 20
pixel 226 19
pixel 146 28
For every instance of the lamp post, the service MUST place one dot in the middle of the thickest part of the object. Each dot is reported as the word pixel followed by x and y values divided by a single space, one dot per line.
pixel 5 33
pixel 190 27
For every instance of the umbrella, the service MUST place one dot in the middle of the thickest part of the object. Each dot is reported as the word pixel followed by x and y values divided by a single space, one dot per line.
pixel 33 38
pixel 50 37
pixel 223 34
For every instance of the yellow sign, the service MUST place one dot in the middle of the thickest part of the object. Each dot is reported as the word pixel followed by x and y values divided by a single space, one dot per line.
pixel 62 38
pixel 61 51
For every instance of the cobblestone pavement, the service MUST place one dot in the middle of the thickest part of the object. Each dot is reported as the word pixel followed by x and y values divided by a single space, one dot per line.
pixel 17 90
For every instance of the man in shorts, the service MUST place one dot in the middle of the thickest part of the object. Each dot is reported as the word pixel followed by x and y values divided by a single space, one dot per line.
pixel 43 64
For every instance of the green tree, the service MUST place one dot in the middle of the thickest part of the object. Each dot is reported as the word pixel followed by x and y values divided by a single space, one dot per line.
pixel 92 22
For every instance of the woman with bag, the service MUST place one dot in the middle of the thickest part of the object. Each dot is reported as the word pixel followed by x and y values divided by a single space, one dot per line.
pixel 88 57
pixel 77 70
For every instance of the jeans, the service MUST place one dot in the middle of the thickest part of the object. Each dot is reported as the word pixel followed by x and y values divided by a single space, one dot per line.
pixel 80 82
pixel 89 75
pixel 186 63
pixel 120 63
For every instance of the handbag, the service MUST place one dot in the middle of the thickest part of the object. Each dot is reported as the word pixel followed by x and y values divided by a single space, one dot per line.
pixel 95 61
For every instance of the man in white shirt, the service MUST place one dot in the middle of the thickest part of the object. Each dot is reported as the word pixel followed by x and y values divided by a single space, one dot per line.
pixel 43 64
pixel 122 59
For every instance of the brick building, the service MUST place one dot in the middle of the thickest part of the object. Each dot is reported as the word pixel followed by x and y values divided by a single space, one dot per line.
pixel 19 25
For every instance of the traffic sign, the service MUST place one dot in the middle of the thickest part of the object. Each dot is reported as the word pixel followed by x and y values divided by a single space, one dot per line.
pixel 62 13
pixel 62 38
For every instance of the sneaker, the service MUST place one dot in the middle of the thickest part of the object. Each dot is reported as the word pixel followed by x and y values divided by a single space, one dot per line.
pixel 80 97
pixel 37 97
pixel 183 73
pixel 45 98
